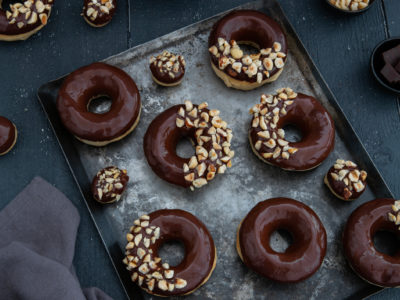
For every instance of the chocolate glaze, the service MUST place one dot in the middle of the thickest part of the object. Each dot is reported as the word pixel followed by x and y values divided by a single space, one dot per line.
pixel 163 75
pixel 7 134
pixel 89 82
pixel 198 261
pixel 12 29
pixel 247 26
pixel 109 177
pixel 303 257
pixel 376 267
pixel 159 146
pixel 339 186
pixel 318 132
pixel 102 17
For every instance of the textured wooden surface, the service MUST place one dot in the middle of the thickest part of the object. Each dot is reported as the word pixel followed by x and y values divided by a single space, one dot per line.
pixel 339 44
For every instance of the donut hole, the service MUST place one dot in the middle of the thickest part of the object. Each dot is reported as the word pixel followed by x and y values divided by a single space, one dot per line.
pixel 184 148
pixel 386 242
pixel 172 252
pixel 293 133
pixel 100 104
pixel 249 48
pixel 280 240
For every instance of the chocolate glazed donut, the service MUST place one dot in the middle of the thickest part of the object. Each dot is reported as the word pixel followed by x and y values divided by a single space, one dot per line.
pixel 370 264
pixel 303 257
pixel 98 13
pixel 147 268
pixel 267 136
pixel 256 29
pixel 159 145
pixel 8 135
pixel 206 130
pixel 88 83
pixel 24 19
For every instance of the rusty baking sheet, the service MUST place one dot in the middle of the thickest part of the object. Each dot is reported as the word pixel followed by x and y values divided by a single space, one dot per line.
pixel 227 199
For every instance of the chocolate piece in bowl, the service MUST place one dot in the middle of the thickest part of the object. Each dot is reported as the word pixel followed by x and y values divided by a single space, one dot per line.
pixel 398 67
pixel 392 56
pixel 390 74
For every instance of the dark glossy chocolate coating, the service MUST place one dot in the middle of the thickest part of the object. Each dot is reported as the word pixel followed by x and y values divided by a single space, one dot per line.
pixel 247 26
pixel 373 266
pixel 103 15
pixel 109 184
pixel 12 29
pixel 89 82
pixel 163 75
pixel 318 134
pixel 159 146
pixel 199 258
pixel 7 134
pixel 301 259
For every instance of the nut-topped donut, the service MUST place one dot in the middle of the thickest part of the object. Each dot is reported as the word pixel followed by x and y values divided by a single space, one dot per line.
pixel 8 135
pixel 301 259
pixel 246 72
pixel 369 263
pixel 207 131
pixel 267 134
pixel 24 19
pixel 98 13
pixel 345 180
pixel 109 184
pixel 147 268
pixel 88 83
pixel 167 69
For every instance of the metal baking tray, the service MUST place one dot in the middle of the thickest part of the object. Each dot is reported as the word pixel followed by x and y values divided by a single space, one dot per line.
pixel 228 198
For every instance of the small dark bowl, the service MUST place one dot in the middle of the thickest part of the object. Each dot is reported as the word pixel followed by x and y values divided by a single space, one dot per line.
pixel 351 12
pixel 377 62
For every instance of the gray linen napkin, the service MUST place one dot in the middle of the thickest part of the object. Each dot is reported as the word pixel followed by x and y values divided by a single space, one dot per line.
pixel 37 243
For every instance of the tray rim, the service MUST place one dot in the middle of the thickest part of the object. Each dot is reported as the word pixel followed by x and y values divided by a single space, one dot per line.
pixel 94 209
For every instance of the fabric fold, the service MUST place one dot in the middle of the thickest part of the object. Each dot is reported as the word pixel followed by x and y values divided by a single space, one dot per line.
pixel 37 243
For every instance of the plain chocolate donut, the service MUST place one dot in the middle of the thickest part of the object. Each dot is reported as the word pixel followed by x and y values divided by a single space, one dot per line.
pixel 24 19
pixel 8 135
pixel 89 82
pixel 207 131
pixel 301 259
pixel 267 136
pixel 147 268
pixel 98 13
pixel 373 266
pixel 247 27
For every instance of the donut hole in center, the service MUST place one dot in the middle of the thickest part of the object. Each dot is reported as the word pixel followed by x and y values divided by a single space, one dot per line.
pixel 100 104
pixel 280 240
pixel 293 133
pixel 184 148
pixel 386 242
pixel 172 252
pixel 249 48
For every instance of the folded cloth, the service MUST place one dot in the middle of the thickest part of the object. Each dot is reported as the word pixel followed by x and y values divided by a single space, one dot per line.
pixel 37 243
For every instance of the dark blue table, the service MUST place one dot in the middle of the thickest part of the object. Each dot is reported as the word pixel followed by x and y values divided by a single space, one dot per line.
pixel 339 44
